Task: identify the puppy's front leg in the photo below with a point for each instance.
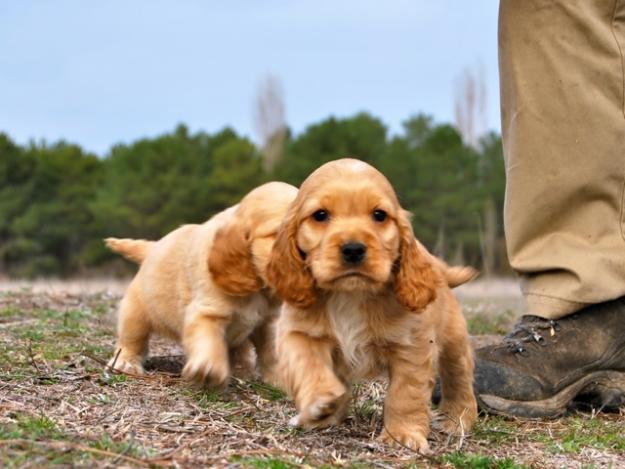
(307, 372)
(204, 341)
(407, 404)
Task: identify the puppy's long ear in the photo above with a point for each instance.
(416, 281)
(230, 260)
(287, 273)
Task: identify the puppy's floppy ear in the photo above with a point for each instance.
(230, 260)
(287, 273)
(415, 281)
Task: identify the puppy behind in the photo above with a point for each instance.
(363, 297)
(203, 286)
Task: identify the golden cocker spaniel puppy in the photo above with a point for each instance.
(362, 296)
(203, 286)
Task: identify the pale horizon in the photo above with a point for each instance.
(102, 74)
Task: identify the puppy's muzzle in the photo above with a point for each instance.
(353, 252)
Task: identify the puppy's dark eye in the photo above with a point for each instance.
(379, 215)
(320, 215)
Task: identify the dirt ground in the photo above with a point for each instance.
(60, 407)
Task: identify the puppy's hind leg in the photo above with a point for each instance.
(264, 341)
(458, 406)
(133, 334)
(242, 361)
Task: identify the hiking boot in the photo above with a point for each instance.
(543, 365)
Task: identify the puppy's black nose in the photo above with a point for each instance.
(353, 253)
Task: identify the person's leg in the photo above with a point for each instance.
(561, 70)
(563, 124)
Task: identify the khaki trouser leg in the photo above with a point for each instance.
(563, 124)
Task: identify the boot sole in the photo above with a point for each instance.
(604, 388)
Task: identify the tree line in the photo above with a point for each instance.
(58, 201)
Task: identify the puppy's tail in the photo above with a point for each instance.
(457, 275)
(454, 275)
(134, 250)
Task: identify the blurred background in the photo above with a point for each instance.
(129, 119)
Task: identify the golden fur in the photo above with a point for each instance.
(394, 312)
(203, 286)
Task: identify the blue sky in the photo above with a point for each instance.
(100, 73)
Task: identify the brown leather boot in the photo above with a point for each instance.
(542, 366)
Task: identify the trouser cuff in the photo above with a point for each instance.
(550, 308)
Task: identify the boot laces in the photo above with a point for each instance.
(531, 330)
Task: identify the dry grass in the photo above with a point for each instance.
(60, 407)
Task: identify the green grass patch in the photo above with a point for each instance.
(495, 430)
(264, 463)
(53, 336)
(15, 376)
(111, 379)
(39, 427)
(33, 333)
(23, 454)
(267, 391)
(98, 349)
(126, 448)
(366, 409)
(482, 323)
(476, 461)
(581, 433)
(9, 312)
(40, 430)
(207, 397)
(31, 427)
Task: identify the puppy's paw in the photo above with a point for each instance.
(454, 422)
(324, 410)
(127, 364)
(271, 377)
(414, 440)
(445, 424)
(207, 372)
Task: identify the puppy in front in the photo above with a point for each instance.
(362, 297)
(204, 286)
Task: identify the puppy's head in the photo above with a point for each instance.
(346, 231)
(240, 251)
